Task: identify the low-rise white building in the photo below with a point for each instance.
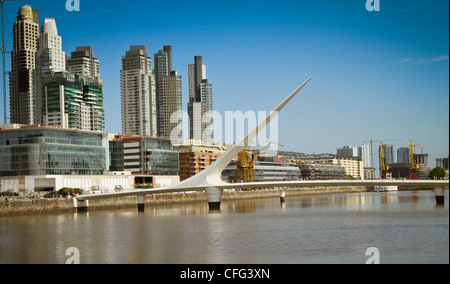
(122, 181)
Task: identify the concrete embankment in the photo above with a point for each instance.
(62, 205)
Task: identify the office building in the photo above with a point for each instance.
(143, 155)
(139, 105)
(364, 154)
(388, 151)
(34, 150)
(49, 58)
(403, 155)
(25, 37)
(200, 105)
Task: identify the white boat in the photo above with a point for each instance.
(386, 188)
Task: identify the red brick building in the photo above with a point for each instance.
(195, 157)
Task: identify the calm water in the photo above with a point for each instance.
(405, 226)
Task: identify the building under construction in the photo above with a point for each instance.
(322, 171)
(403, 170)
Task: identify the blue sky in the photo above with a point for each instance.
(377, 75)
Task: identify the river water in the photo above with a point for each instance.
(403, 226)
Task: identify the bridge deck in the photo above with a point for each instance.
(426, 184)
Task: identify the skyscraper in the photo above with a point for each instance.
(169, 96)
(25, 35)
(72, 101)
(163, 67)
(74, 98)
(403, 155)
(364, 154)
(139, 105)
(84, 63)
(171, 106)
(200, 102)
(49, 58)
(388, 150)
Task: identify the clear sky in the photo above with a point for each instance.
(377, 75)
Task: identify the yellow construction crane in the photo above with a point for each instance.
(245, 170)
(384, 168)
(413, 166)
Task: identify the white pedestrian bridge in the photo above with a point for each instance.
(210, 180)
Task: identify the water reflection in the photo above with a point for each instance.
(405, 226)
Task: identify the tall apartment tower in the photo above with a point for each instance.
(84, 63)
(139, 105)
(74, 98)
(49, 58)
(169, 96)
(200, 102)
(171, 106)
(25, 36)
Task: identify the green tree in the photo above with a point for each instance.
(65, 190)
(437, 173)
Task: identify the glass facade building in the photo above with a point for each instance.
(143, 155)
(52, 151)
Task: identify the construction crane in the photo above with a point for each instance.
(421, 147)
(413, 166)
(4, 61)
(384, 168)
(245, 169)
(371, 147)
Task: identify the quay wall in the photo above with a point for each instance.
(62, 205)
